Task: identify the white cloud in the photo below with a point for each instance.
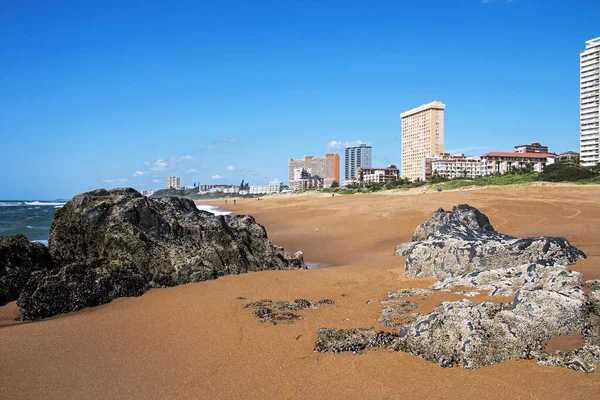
(120, 180)
(217, 177)
(190, 171)
(334, 144)
(139, 173)
(160, 165)
(165, 165)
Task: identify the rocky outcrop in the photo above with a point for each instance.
(19, 258)
(463, 251)
(468, 216)
(463, 241)
(114, 243)
(475, 335)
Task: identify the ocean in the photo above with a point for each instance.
(30, 218)
(33, 218)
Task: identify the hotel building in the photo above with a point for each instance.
(357, 157)
(377, 175)
(502, 162)
(450, 167)
(325, 168)
(589, 117)
(173, 182)
(422, 136)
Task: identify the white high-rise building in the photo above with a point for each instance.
(173, 182)
(589, 116)
(422, 136)
(357, 157)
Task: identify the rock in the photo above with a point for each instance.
(506, 281)
(78, 286)
(584, 359)
(409, 292)
(471, 217)
(158, 242)
(276, 311)
(19, 258)
(462, 249)
(463, 241)
(390, 311)
(355, 340)
(475, 335)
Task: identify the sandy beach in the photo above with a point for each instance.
(196, 341)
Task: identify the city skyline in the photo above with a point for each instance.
(88, 107)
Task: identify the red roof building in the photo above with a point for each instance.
(502, 162)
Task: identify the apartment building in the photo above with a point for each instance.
(173, 182)
(204, 188)
(502, 162)
(377, 175)
(531, 148)
(274, 186)
(357, 157)
(231, 189)
(450, 167)
(325, 168)
(589, 117)
(422, 136)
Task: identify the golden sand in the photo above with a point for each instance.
(197, 341)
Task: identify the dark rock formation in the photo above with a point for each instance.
(114, 243)
(463, 241)
(355, 340)
(279, 311)
(78, 286)
(19, 258)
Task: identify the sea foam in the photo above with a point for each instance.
(212, 209)
(42, 203)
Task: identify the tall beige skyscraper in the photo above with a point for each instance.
(589, 116)
(422, 136)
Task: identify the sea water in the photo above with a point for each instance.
(30, 218)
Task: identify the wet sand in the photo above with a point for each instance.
(197, 341)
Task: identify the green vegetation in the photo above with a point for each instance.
(559, 172)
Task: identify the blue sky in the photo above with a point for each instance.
(122, 93)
